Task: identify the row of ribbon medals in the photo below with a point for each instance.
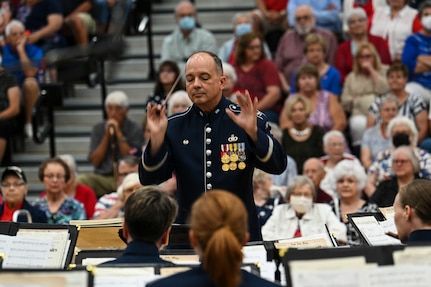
(233, 156)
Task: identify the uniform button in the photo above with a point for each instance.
(209, 163)
(209, 186)
(209, 174)
(208, 152)
(208, 141)
(208, 130)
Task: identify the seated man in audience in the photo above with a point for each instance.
(315, 170)
(334, 146)
(187, 38)
(290, 51)
(23, 60)
(148, 215)
(112, 138)
(109, 205)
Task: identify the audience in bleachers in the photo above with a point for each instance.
(325, 109)
(290, 51)
(9, 108)
(271, 15)
(110, 205)
(417, 56)
(301, 216)
(361, 87)
(348, 180)
(257, 74)
(315, 50)
(23, 60)
(326, 13)
(187, 38)
(59, 207)
(356, 21)
(395, 23)
(376, 139)
(242, 24)
(315, 170)
(410, 104)
(303, 139)
(367, 6)
(82, 193)
(111, 139)
(401, 131)
(405, 169)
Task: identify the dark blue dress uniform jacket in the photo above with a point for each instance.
(195, 143)
(199, 277)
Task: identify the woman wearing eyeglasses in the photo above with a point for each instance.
(14, 189)
(57, 205)
(362, 85)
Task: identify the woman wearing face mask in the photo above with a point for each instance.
(417, 55)
(300, 216)
(348, 181)
(242, 24)
(401, 131)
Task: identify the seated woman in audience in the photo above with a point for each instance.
(358, 34)
(366, 8)
(406, 169)
(166, 77)
(44, 19)
(264, 201)
(218, 230)
(375, 138)
(315, 51)
(301, 216)
(57, 205)
(411, 105)
(395, 23)
(231, 78)
(417, 56)
(178, 102)
(257, 74)
(325, 108)
(303, 140)
(412, 212)
(348, 180)
(14, 188)
(362, 86)
(401, 131)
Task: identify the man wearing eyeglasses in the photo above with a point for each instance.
(14, 189)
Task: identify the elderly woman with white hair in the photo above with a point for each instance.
(348, 181)
(356, 24)
(402, 132)
(178, 102)
(301, 216)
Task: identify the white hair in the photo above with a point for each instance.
(332, 133)
(349, 168)
(177, 97)
(402, 120)
(355, 11)
(229, 71)
(129, 181)
(118, 98)
(70, 161)
(12, 24)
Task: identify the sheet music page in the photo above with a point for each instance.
(398, 276)
(59, 243)
(167, 271)
(413, 255)
(27, 280)
(181, 259)
(257, 254)
(321, 240)
(124, 277)
(372, 231)
(96, 261)
(388, 212)
(24, 252)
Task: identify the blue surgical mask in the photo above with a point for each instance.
(187, 23)
(242, 29)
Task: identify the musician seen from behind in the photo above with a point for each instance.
(111, 139)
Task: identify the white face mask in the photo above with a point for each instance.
(426, 22)
(301, 204)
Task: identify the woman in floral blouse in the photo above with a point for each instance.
(58, 206)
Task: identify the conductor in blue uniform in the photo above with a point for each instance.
(215, 144)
